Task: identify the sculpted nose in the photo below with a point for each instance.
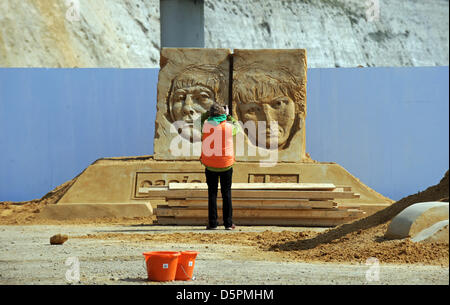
(187, 110)
(267, 112)
(187, 107)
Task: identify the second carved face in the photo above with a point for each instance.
(264, 114)
(267, 103)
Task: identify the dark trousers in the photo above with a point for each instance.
(212, 179)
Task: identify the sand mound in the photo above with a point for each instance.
(358, 246)
(25, 212)
(436, 192)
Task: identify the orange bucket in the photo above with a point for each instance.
(186, 264)
(161, 265)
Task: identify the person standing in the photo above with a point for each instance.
(218, 129)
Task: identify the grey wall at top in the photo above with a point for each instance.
(182, 23)
(387, 126)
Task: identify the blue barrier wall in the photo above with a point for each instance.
(387, 126)
(55, 122)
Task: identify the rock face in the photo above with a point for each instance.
(336, 33)
(126, 33)
(101, 33)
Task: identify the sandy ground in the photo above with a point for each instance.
(109, 251)
(113, 255)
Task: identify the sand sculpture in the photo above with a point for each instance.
(190, 80)
(269, 86)
(261, 87)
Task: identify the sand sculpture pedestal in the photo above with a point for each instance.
(266, 91)
(119, 186)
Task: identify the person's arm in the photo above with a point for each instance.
(235, 123)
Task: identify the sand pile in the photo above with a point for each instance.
(438, 192)
(26, 212)
(358, 246)
(354, 248)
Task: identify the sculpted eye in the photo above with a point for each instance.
(254, 108)
(204, 95)
(181, 97)
(279, 103)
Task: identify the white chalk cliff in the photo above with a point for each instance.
(126, 33)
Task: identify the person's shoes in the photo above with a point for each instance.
(208, 227)
(230, 228)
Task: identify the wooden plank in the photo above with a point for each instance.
(304, 222)
(262, 204)
(293, 194)
(345, 188)
(348, 206)
(251, 186)
(240, 207)
(259, 213)
(285, 194)
(248, 199)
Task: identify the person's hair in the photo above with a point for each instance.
(216, 110)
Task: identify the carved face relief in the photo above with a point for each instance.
(265, 96)
(193, 92)
(280, 110)
(187, 105)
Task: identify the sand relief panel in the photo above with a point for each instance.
(269, 99)
(190, 81)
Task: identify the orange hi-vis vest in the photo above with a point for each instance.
(217, 145)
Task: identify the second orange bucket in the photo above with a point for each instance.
(186, 264)
(161, 265)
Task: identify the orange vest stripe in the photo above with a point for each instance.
(217, 145)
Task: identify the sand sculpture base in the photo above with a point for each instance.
(117, 187)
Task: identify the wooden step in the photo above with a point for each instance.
(260, 213)
(270, 194)
(260, 186)
(303, 222)
(254, 203)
